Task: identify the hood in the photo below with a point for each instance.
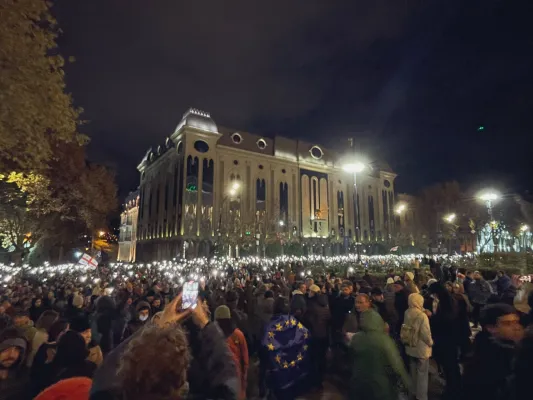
(321, 299)
(143, 304)
(416, 300)
(14, 340)
(297, 292)
(268, 305)
(372, 322)
(71, 388)
(105, 303)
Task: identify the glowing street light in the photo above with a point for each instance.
(354, 168)
(524, 228)
(450, 218)
(281, 223)
(236, 186)
(489, 196)
(400, 208)
(101, 233)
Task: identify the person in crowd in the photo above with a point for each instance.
(239, 317)
(37, 308)
(75, 309)
(489, 373)
(444, 330)
(83, 327)
(342, 306)
(129, 372)
(505, 288)
(352, 324)
(524, 359)
(46, 353)
(378, 302)
(142, 314)
(157, 305)
(284, 358)
(416, 336)
(480, 292)
(22, 321)
(43, 325)
(70, 360)
(400, 302)
(67, 389)
(464, 308)
(410, 286)
(14, 384)
(317, 319)
(377, 364)
(298, 301)
(236, 343)
(105, 321)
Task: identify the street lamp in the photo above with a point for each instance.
(232, 192)
(281, 223)
(355, 168)
(450, 218)
(400, 208)
(489, 196)
(523, 230)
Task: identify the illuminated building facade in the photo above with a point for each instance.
(208, 185)
(127, 242)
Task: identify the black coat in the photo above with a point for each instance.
(488, 374)
(318, 316)
(211, 374)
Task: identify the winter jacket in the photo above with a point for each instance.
(237, 344)
(298, 304)
(416, 319)
(480, 291)
(488, 374)
(210, 374)
(377, 363)
(318, 316)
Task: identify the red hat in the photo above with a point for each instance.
(67, 389)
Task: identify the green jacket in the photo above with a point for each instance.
(377, 365)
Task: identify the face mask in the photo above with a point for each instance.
(143, 317)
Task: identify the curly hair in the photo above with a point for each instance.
(154, 364)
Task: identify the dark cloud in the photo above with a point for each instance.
(412, 79)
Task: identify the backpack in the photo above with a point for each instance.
(409, 333)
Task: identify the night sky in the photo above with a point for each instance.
(412, 80)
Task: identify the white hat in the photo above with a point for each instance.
(390, 281)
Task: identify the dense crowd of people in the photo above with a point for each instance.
(117, 334)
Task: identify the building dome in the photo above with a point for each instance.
(198, 119)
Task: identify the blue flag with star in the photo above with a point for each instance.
(286, 344)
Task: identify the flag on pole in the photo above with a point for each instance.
(395, 248)
(88, 261)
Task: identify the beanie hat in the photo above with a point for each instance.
(314, 288)
(77, 301)
(222, 312)
(67, 389)
(410, 275)
(389, 281)
(80, 324)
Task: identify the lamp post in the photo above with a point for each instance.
(355, 168)
(232, 192)
(490, 196)
(450, 218)
(523, 231)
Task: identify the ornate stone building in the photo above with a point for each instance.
(127, 242)
(208, 185)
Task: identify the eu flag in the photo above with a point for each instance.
(286, 344)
